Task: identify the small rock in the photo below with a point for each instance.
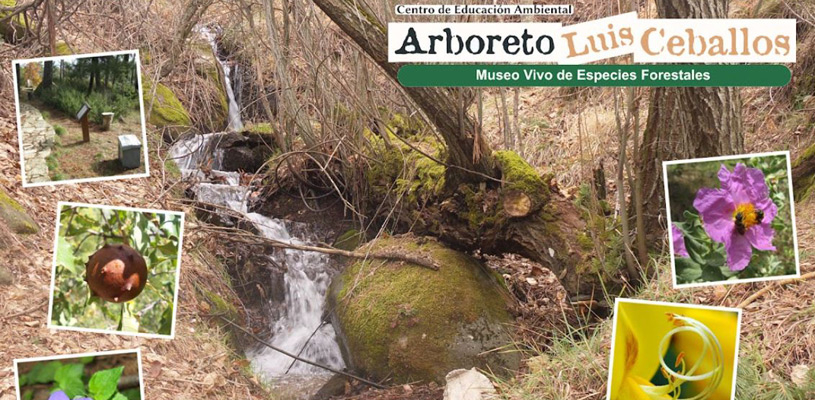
(532, 281)
(15, 216)
(799, 374)
(468, 384)
(6, 278)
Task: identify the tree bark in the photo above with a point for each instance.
(94, 74)
(686, 122)
(360, 23)
(193, 10)
(469, 215)
(803, 174)
(47, 74)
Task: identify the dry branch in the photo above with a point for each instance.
(767, 288)
(382, 255)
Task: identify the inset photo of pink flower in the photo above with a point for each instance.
(732, 219)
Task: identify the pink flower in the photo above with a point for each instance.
(738, 214)
(679, 242)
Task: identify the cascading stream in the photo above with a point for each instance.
(306, 279)
(234, 123)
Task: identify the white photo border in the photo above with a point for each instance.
(26, 183)
(665, 165)
(136, 350)
(171, 336)
(619, 300)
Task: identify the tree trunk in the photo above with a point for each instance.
(19, 77)
(360, 23)
(803, 174)
(470, 213)
(193, 9)
(686, 122)
(94, 74)
(47, 75)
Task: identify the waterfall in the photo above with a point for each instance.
(307, 276)
(234, 123)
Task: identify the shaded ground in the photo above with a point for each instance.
(75, 159)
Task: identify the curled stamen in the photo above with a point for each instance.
(681, 375)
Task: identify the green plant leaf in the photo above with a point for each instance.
(129, 322)
(69, 378)
(687, 270)
(103, 383)
(166, 321)
(65, 254)
(43, 372)
(119, 396)
(132, 394)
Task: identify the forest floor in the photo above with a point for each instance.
(198, 363)
(75, 159)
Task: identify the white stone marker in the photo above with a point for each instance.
(107, 120)
(129, 151)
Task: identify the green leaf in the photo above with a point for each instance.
(69, 379)
(43, 372)
(119, 396)
(712, 275)
(129, 322)
(86, 360)
(103, 383)
(166, 321)
(73, 388)
(687, 270)
(132, 394)
(65, 254)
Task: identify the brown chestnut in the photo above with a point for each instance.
(116, 273)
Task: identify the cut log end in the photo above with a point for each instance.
(517, 203)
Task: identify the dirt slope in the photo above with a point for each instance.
(197, 363)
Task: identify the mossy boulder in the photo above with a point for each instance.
(167, 111)
(407, 323)
(13, 215)
(13, 28)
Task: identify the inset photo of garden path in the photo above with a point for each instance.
(80, 118)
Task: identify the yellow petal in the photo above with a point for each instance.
(724, 325)
(632, 390)
(640, 327)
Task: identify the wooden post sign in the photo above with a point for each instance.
(82, 116)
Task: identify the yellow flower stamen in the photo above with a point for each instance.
(711, 348)
(746, 215)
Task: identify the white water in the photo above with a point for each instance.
(306, 279)
(234, 123)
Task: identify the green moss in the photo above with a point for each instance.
(63, 49)
(349, 240)
(220, 306)
(519, 175)
(219, 114)
(18, 20)
(167, 110)
(417, 176)
(804, 187)
(402, 320)
(15, 216)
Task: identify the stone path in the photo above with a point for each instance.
(38, 139)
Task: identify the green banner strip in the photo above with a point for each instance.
(664, 75)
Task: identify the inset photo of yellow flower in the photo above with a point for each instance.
(670, 351)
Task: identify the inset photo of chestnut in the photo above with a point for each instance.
(115, 270)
